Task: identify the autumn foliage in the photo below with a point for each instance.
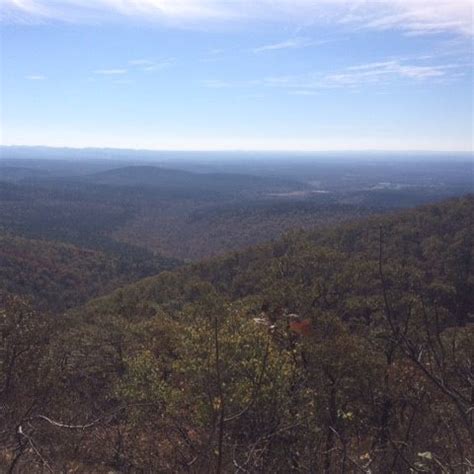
(344, 350)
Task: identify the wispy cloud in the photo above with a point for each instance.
(149, 65)
(159, 66)
(111, 72)
(381, 71)
(409, 16)
(219, 83)
(36, 77)
(141, 62)
(359, 75)
(417, 17)
(292, 43)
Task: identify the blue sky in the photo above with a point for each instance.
(238, 74)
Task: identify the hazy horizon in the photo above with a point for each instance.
(247, 160)
(242, 151)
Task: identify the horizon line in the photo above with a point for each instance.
(243, 150)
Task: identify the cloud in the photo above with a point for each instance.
(379, 73)
(382, 71)
(417, 17)
(148, 65)
(110, 72)
(412, 17)
(141, 62)
(288, 44)
(158, 66)
(110, 10)
(36, 77)
(374, 73)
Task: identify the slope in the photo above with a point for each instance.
(343, 350)
(55, 276)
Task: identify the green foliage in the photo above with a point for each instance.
(252, 365)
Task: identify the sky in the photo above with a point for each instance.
(238, 74)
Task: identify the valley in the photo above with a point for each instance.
(206, 208)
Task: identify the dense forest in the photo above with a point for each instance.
(55, 276)
(344, 349)
(199, 209)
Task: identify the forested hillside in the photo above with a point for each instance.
(55, 276)
(348, 349)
